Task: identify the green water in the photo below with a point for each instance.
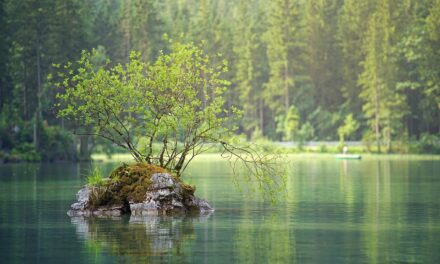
(377, 210)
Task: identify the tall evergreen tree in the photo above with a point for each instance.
(351, 31)
(283, 43)
(141, 27)
(383, 105)
(323, 52)
(249, 64)
(5, 88)
(282, 38)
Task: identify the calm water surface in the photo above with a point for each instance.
(377, 210)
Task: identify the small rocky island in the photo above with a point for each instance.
(138, 189)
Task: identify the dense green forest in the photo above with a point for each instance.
(299, 69)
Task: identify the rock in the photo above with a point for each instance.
(83, 199)
(82, 206)
(164, 196)
(199, 204)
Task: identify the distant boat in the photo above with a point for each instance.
(348, 156)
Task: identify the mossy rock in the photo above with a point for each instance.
(129, 183)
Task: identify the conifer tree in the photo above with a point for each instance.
(282, 37)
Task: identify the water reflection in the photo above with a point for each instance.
(269, 239)
(377, 210)
(138, 237)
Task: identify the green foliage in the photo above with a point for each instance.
(177, 99)
(429, 144)
(6, 139)
(368, 140)
(248, 55)
(323, 148)
(384, 106)
(304, 134)
(25, 152)
(376, 59)
(281, 35)
(349, 127)
(165, 113)
(324, 123)
(95, 178)
(291, 123)
(55, 144)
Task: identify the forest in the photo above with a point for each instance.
(299, 70)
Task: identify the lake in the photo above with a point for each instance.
(381, 209)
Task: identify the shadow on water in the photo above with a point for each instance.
(138, 238)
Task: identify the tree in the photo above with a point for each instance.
(163, 114)
(140, 27)
(249, 65)
(348, 129)
(351, 31)
(283, 47)
(5, 91)
(384, 106)
(289, 124)
(431, 71)
(323, 52)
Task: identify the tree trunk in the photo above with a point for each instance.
(376, 114)
(286, 87)
(438, 122)
(389, 136)
(39, 82)
(261, 116)
(35, 141)
(37, 116)
(84, 153)
(24, 92)
(127, 30)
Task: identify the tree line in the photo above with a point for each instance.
(299, 70)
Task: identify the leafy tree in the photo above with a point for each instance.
(376, 59)
(289, 124)
(175, 103)
(349, 127)
(306, 132)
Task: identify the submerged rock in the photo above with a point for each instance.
(164, 195)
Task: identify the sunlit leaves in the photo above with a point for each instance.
(163, 113)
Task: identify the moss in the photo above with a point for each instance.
(187, 190)
(99, 196)
(130, 182)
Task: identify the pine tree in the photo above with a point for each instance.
(351, 31)
(323, 52)
(249, 60)
(432, 70)
(283, 45)
(383, 105)
(281, 37)
(5, 88)
(147, 27)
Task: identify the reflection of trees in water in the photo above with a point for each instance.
(139, 238)
(270, 239)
